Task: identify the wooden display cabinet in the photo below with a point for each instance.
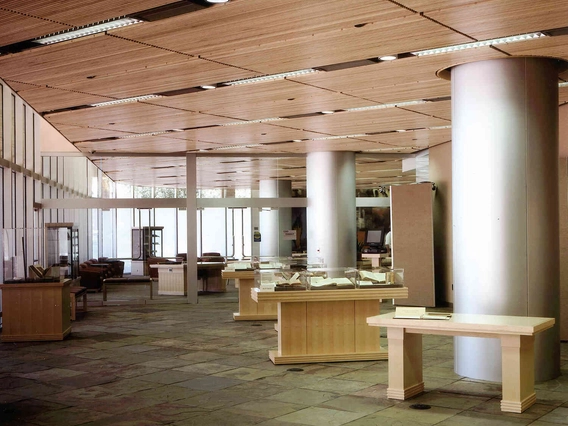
(327, 325)
(34, 311)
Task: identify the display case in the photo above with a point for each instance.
(147, 242)
(380, 277)
(331, 278)
(283, 273)
(62, 248)
(278, 279)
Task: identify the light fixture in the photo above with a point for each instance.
(388, 57)
(233, 147)
(217, 1)
(260, 120)
(491, 42)
(390, 105)
(270, 77)
(208, 86)
(87, 30)
(328, 112)
(325, 138)
(563, 84)
(126, 100)
(140, 135)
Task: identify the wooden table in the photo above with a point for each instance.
(327, 325)
(249, 309)
(33, 311)
(517, 347)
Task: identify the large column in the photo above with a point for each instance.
(505, 204)
(331, 212)
(273, 222)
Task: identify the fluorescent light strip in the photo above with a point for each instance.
(261, 120)
(390, 105)
(139, 135)
(325, 138)
(87, 30)
(233, 147)
(271, 77)
(126, 100)
(563, 84)
(491, 42)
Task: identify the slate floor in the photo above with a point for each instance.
(178, 364)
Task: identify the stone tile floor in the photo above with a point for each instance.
(178, 364)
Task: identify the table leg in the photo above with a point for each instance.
(405, 364)
(517, 357)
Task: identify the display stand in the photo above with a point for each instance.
(248, 308)
(34, 311)
(327, 325)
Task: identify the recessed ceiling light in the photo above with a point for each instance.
(388, 57)
(87, 30)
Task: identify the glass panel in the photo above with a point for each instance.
(167, 219)
(182, 231)
(213, 231)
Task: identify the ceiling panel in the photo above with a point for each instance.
(498, 18)
(263, 100)
(79, 12)
(249, 38)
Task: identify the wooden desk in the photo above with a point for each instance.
(210, 275)
(35, 311)
(376, 258)
(248, 308)
(327, 325)
(517, 346)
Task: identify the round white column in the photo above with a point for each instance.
(331, 212)
(273, 222)
(505, 204)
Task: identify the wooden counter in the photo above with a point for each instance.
(35, 311)
(327, 325)
(248, 308)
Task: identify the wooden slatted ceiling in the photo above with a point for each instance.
(251, 23)
(17, 27)
(98, 55)
(279, 98)
(412, 33)
(148, 144)
(391, 75)
(79, 12)
(497, 18)
(136, 117)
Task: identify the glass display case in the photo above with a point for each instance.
(380, 277)
(278, 279)
(331, 278)
(62, 248)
